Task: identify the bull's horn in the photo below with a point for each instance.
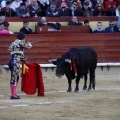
(52, 60)
(68, 60)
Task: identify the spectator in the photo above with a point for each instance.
(98, 2)
(117, 11)
(90, 3)
(54, 1)
(34, 9)
(3, 31)
(64, 10)
(76, 11)
(110, 7)
(112, 28)
(118, 25)
(27, 2)
(7, 11)
(86, 10)
(43, 22)
(44, 4)
(15, 4)
(3, 3)
(99, 10)
(65, 1)
(71, 1)
(79, 3)
(86, 23)
(25, 29)
(22, 11)
(2, 20)
(74, 21)
(52, 11)
(0, 10)
(99, 28)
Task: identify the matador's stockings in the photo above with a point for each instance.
(13, 91)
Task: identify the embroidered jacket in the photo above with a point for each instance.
(17, 47)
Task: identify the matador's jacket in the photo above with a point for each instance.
(17, 54)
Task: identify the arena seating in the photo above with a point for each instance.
(16, 22)
(52, 45)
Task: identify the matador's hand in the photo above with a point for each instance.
(24, 60)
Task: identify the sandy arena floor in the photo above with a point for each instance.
(57, 104)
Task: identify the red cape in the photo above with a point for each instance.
(32, 79)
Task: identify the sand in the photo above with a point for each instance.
(100, 104)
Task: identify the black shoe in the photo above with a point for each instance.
(17, 97)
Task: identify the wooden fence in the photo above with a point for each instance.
(53, 45)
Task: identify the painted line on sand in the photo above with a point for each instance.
(36, 103)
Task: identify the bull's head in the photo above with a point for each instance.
(62, 66)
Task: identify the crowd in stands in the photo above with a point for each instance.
(112, 28)
(74, 21)
(86, 23)
(26, 29)
(56, 8)
(51, 8)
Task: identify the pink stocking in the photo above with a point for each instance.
(13, 90)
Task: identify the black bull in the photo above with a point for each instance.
(77, 63)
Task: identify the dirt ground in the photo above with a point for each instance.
(57, 104)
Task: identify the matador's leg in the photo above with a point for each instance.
(14, 79)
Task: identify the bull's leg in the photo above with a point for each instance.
(92, 79)
(77, 83)
(85, 82)
(69, 85)
(89, 88)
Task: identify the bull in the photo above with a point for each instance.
(77, 63)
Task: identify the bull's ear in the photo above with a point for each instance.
(68, 60)
(52, 60)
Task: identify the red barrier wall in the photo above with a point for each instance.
(53, 45)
